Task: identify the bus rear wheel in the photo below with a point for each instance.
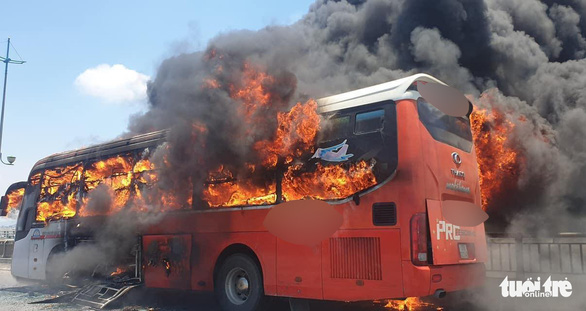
(238, 284)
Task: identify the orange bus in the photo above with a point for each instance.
(393, 242)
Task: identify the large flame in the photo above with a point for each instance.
(499, 163)
(59, 189)
(295, 134)
(14, 199)
(135, 183)
(328, 182)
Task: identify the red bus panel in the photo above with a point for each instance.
(452, 244)
(166, 261)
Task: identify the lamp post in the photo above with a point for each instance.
(6, 60)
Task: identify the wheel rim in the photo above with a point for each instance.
(237, 286)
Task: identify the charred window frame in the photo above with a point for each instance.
(270, 177)
(108, 177)
(62, 190)
(454, 131)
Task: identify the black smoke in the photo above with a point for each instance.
(528, 54)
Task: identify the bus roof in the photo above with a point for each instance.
(393, 90)
(113, 147)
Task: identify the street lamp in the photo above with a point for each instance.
(6, 60)
(10, 159)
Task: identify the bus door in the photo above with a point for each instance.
(36, 259)
(22, 240)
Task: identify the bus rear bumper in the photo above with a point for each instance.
(422, 281)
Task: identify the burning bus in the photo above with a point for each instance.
(388, 160)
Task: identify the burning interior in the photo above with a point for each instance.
(289, 166)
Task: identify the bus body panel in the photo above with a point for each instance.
(35, 249)
(454, 244)
(362, 265)
(166, 261)
(417, 280)
(214, 231)
(21, 257)
(299, 270)
(409, 174)
(36, 264)
(451, 175)
(457, 277)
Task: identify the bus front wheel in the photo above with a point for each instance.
(238, 284)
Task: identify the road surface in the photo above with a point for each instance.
(18, 295)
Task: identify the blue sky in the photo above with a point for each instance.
(47, 111)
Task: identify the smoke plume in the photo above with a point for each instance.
(524, 58)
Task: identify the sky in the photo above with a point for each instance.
(87, 64)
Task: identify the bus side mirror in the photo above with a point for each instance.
(3, 205)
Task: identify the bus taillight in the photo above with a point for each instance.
(419, 240)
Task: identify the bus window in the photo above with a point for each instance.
(454, 131)
(223, 189)
(148, 192)
(111, 177)
(368, 122)
(11, 202)
(334, 128)
(351, 161)
(59, 189)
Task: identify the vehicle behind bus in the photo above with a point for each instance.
(394, 240)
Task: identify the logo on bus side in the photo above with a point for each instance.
(450, 231)
(335, 153)
(457, 186)
(456, 158)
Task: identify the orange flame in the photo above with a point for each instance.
(411, 304)
(14, 199)
(119, 270)
(253, 92)
(59, 189)
(295, 134)
(328, 182)
(224, 190)
(499, 163)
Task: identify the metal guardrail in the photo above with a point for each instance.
(6, 243)
(7, 234)
(518, 256)
(6, 248)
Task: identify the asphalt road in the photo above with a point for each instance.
(18, 295)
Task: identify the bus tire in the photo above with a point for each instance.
(238, 284)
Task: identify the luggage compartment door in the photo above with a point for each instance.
(166, 261)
